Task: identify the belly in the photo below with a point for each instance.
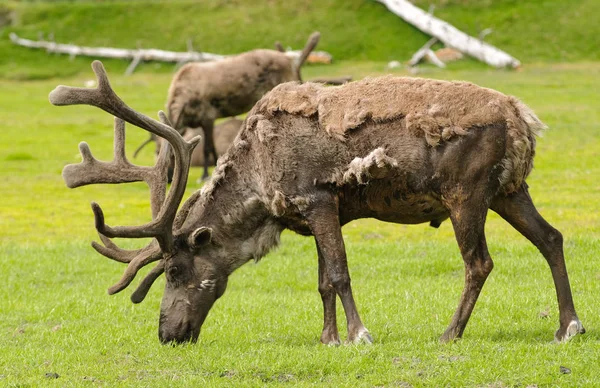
(387, 201)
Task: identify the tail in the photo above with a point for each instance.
(151, 139)
(520, 152)
(312, 42)
(534, 124)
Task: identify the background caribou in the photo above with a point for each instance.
(397, 149)
(202, 92)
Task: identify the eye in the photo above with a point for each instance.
(173, 271)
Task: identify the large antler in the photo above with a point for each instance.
(120, 170)
(312, 42)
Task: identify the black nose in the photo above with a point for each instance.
(175, 334)
(177, 337)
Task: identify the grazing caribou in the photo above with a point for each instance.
(202, 92)
(311, 158)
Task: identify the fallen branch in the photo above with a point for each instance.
(450, 35)
(430, 55)
(422, 52)
(136, 55)
(109, 52)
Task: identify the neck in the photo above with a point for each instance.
(230, 203)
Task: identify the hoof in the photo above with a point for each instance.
(363, 337)
(330, 340)
(333, 343)
(575, 327)
(449, 336)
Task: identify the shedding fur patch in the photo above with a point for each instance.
(376, 165)
(265, 130)
(278, 204)
(223, 164)
(436, 110)
(301, 202)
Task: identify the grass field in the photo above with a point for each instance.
(532, 31)
(58, 319)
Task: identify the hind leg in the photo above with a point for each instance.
(209, 146)
(518, 210)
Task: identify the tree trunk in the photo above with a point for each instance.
(137, 55)
(450, 35)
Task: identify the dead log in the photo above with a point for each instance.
(422, 52)
(450, 35)
(431, 57)
(138, 55)
(110, 52)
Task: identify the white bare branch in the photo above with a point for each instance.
(450, 35)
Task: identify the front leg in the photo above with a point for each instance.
(468, 220)
(323, 220)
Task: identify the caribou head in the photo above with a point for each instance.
(193, 280)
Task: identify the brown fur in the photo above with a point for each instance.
(448, 54)
(225, 88)
(435, 110)
(223, 133)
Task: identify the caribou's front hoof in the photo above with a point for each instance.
(330, 339)
(575, 327)
(362, 336)
(333, 342)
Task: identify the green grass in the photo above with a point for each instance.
(57, 317)
(532, 31)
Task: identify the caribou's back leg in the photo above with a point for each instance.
(519, 211)
(209, 145)
(330, 335)
(468, 219)
(323, 220)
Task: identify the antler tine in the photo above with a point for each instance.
(312, 42)
(112, 251)
(120, 170)
(105, 98)
(117, 171)
(140, 293)
(142, 259)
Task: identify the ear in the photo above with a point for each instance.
(200, 237)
